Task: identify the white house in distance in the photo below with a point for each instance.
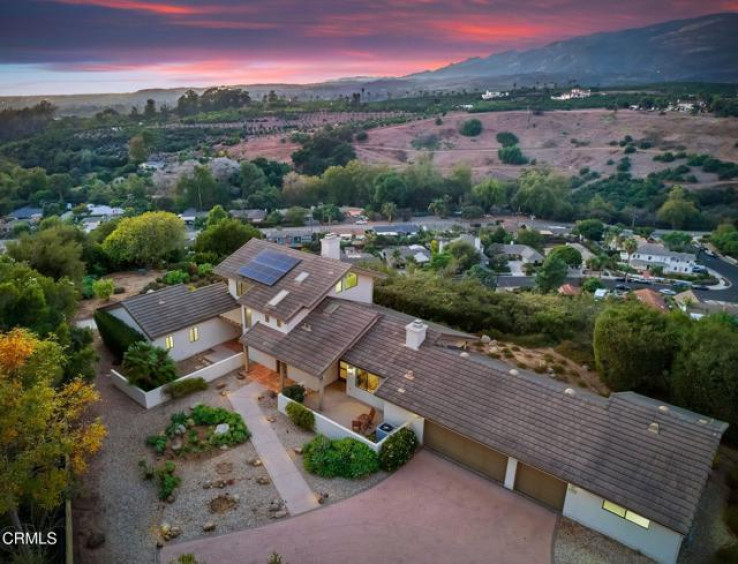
(493, 94)
(575, 93)
(648, 255)
(627, 466)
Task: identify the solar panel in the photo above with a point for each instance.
(268, 267)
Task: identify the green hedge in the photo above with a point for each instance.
(301, 416)
(237, 432)
(344, 458)
(186, 387)
(116, 335)
(397, 449)
(295, 392)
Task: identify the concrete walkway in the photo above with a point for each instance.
(429, 512)
(286, 477)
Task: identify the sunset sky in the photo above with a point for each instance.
(90, 46)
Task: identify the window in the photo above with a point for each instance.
(347, 282)
(194, 334)
(367, 381)
(345, 370)
(241, 287)
(267, 319)
(626, 514)
(169, 342)
(279, 323)
(248, 316)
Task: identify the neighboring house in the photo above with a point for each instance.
(601, 293)
(398, 257)
(696, 308)
(627, 466)
(104, 211)
(474, 241)
(26, 213)
(523, 253)
(397, 229)
(185, 322)
(492, 94)
(576, 93)
(648, 256)
(354, 255)
(568, 290)
(651, 299)
(252, 216)
(294, 239)
(190, 215)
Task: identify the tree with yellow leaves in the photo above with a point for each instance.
(46, 433)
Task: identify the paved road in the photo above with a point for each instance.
(429, 512)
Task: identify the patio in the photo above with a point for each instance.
(340, 407)
(208, 357)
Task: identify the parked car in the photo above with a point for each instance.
(667, 292)
(623, 287)
(700, 287)
(361, 222)
(699, 269)
(710, 253)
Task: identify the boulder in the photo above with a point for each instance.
(486, 339)
(176, 445)
(298, 450)
(208, 527)
(281, 514)
(222, 429)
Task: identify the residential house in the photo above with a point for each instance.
(104, 211)
(651, 299)
(294, 238)
(627, 466)
(576, 93)
(190, 215)
(183, 321)
(398, 257)
(522, 253)
(252, 216)
(397, 229)
(696, 307)
(649, 255)
(492, 94)
(26, 213)
(568, 290)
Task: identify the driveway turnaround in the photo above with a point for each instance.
(429, 512)
(286, 477)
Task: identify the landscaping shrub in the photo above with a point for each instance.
(103, 288)
(159, 442)
(206, 415)
(116, 335)
(397, 449)
(148, 367)
(301, 416)
(295, 392)
(726, 555)
(471, 128)
(344, 458)
(167, 480)
(512, 155)
(175, 277)
(186, 387)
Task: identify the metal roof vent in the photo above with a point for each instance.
(702, 421)
(514, 372)
(654, 428)
(409, 375)
(401, 390)
(162, 302)
(464, 354)
(307, 327)
(300, 278)
(571, 392)
(664, 408)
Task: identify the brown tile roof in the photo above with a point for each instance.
(323, 273)
(333, 327)
(162, 312)
(651, 299)
(602, 445)
(568, 290)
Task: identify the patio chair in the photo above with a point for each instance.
(365, 420)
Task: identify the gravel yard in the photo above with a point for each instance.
(115, 500)
(292, 436)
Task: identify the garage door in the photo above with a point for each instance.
(465, 451)
(540, 486)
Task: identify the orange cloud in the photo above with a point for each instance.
(487, 32)
(138, 6)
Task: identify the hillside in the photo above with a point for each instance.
(698, 49)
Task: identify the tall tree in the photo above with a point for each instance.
(145, 239)
(224, 237)
(200, 189)
(54, 252)
(551, 274)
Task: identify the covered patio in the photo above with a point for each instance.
(340, 407)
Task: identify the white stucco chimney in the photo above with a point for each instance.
(330, 246)
(415, 334)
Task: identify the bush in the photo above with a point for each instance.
(159, 442)
(731, 518)
(397, 449)
(186, 387)
(295, 392)
(116, 335)
(166, 480)
(512, 155)
(362, 136)
(103, 288)
(148, 367)
(507, 139)
(344, 458)
(301, 416)
(175, 277)
(205, 269)
(471, 128)
(237, 432)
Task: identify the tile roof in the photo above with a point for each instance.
(651, 298)
(162, 312)
(602, 445)
(323, 273)
(659, 250)
(333, 327)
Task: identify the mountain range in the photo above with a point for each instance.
(703, 49)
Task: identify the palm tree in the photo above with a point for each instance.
(630, 246)
(389, 210)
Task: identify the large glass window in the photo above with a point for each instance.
(169, 342)
(347, 282)
(367, 381)
(194, 334)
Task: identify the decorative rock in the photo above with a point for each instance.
(95, 540)
(322, 497)
(486, 339)
(263, 481)
(221, 385)
(176, 445)
(281, 514)
(221, 484)
(236, 498)
(221, 429)
(271, 419)
(255, 462)
(224, 393)
(180, 429)
(223, 447)
(493, 342)
(175, 532)
(298, 450)
(208, 527)
(207, 485)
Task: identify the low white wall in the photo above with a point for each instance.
(327, 427)
(307, 380)
(656, 542)
(398, 416)
(157, 396)
(362, 395)
(212, 332)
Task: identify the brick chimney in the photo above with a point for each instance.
(415, 334)
(330, 246)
